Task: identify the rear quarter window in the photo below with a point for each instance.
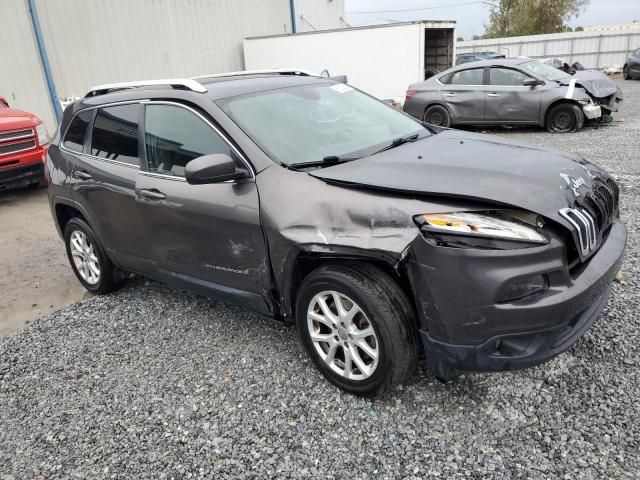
(77, 131)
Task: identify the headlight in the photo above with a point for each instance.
(43, 136)
(514, 229)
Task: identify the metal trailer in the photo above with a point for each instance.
(381, 60)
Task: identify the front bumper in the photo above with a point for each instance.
(463, 328)
(28, 171)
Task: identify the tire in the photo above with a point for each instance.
(383, 309)
(437, 115)
(564, 118)
(625, 72)
(108, 277)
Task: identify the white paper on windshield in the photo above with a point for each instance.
(341, 88)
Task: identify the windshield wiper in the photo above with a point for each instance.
(327, 161)
(396, 142)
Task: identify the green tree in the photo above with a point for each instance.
(578, 29)
(509, 18)
(460, 39)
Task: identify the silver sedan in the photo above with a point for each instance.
(512, 91)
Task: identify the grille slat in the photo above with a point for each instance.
(17, 147)
(26, 132)
(593, 215)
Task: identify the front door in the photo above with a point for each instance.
(508, 100)
(207, 234)
(464, 94)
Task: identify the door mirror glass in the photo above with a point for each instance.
(214, 168)
(532, 82)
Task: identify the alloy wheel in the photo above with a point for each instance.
(342, 335)
(84, 257)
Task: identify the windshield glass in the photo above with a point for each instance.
(307, 123)
(546, 71)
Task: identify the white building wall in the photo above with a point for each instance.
(591, 49)
(92, 42)
(319, 15)
(22, 80)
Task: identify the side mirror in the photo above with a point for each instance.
(3, 101)
(215, 168)
(532, 82)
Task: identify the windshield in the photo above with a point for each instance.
(307, 123)
(546, 71)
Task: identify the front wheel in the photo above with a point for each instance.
(88, 260)
(437, 115)
(625, 73)
(358, 327)
(564, 118)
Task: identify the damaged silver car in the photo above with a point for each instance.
(513, 91)
(385, 240)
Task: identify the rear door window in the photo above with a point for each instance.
(115, 134)
(468, 77)
(174, 136)
(77, 131)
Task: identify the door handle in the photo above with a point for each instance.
(81, 175)
(151, 193)
(493, 94)
(449, 94)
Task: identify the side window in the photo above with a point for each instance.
(74, 139)
(506, 76)
(115, 133)
(468, 77)
(174, 136)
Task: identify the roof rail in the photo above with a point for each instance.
(186, 83)
(281, 71)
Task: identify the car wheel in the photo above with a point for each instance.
(88, 259)
(437, 115)
(358, 327)
(625, 73)
(564, 118)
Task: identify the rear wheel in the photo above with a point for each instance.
(358, 327)
(564, 118)
(88, 259)
(437, 115)
(625, 73)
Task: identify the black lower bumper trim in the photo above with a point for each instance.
(21, 176)
(508, 352)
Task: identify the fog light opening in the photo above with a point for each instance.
(523, 287)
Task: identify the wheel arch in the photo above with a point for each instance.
(309, 260)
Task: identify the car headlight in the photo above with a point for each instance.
(43, 136)
(499, 229)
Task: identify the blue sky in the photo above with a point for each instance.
(472, 15)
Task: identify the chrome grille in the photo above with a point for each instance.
(27, 132)
(6, 149)
(593, 215)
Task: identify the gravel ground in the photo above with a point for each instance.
(156, 383)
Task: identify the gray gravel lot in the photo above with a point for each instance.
(156, 383)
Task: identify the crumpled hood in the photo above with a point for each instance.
(478, 167)
(594, 82)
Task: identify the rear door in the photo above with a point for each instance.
(197, 233)
(104, 176)
(464, 94)
(508, 100)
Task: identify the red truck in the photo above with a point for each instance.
(23, 148)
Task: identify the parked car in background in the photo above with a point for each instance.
(631, 67)
(309, 201)
(23, 147)
(512, 91)
(475, 56)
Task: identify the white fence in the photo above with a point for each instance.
(591, 49)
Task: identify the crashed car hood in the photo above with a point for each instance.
(472, 166)
(596, 83)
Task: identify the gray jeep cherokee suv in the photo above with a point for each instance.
(306, 200)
